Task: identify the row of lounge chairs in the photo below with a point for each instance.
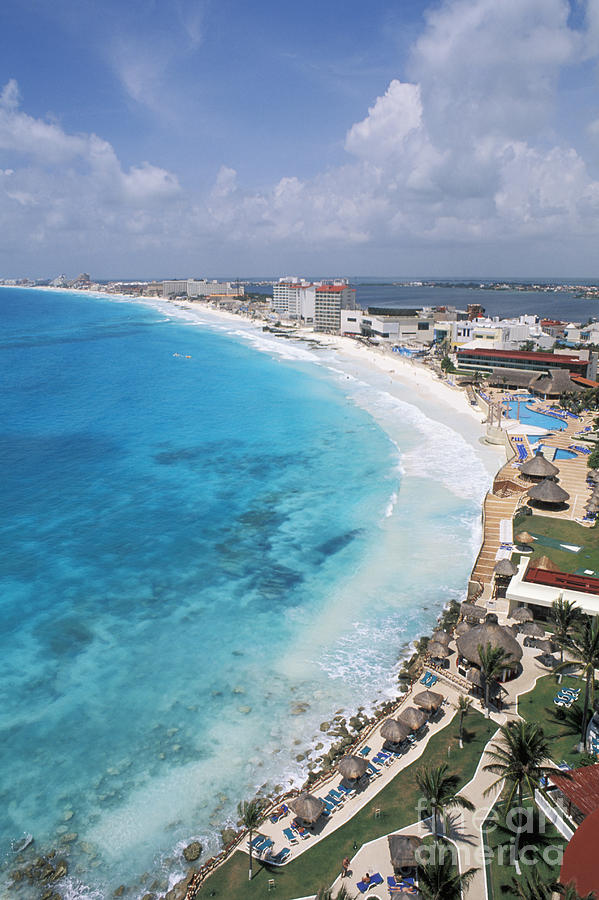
(566, 697)
(406, 885)
(429, 679)
(580, 449)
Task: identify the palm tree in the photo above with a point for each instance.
(439, 879)
(519, 759)
(327, 894)
(583, 649)
(440, 791)
(564, 615)
(493, 661)
(463, 707)
(569, 892)
(530, 887)
(250, 813)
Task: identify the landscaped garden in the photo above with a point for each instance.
(320, 865)
(565, 532)
(561, 726)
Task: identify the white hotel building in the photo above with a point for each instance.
(192, 288)
(317, 304)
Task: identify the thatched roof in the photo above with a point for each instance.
(548, 491)
(516, 377)
(428, 700)
(593, 475)
(413, 718)
(558, 382)
(523, 537)
(505, 568)
(490, 632)
(470, 611)
(543, 562)
(522, 614)
(538, 467)
(402, 849)
(437, 650)
(394, 731)
(307, 807)
(352, 766)
(441, 636)
(532, 629)
(474, 676)
(463, 627)
(544, 646)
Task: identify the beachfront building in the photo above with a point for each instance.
(294, 298)
(497, 334)
(537, 588)
(329, 301)
(577, 362)
(193, 289)
(397, 326)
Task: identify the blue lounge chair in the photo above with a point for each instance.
(290, 835)
(375, 879)
(364, 751)
(279, 858)
(433, 680)
(372, 770)
(258, 840)
(425, 679)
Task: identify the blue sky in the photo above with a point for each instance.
(213, 138)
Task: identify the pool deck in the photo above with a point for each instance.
(509, 489)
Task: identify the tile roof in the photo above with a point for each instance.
(582, 788)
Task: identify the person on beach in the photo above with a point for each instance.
(345, 867)
(366, 879)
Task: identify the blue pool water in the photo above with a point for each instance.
(529, 416)
(559, 453)
(202, 560)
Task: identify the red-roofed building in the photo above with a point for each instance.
(580, 865)
(487, 360)
(584, 382)
(329, 300)
(578, 794)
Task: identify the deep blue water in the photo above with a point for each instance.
(191, 547)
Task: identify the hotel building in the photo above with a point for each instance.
(329, 300)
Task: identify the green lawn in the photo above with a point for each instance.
(541, 848)
(566, 532)
(320, 865)
(538, 706)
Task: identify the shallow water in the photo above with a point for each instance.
(202, 560)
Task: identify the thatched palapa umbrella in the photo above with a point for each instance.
(522, 614)
(538, 467)
(428, 700)
(505, 568)
(437, 650)
(523, 537)
(394, 731)
(463, 627)
(352, 766)
(532, 629)
(441, 636)
(403, 849)
(413, 718)
(307, 807)
(548, 491)
(544, 646)
(543, 562)
(490, 632)
(472, 613)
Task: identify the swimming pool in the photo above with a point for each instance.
(530, 416)
(559, 453)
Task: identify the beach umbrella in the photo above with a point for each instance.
(505, 568)
(532, 629)
(394, 731)
(548, 491)
(543, 562)
(413, 718)
(462, 627)
(538, 467)
(403, 849)
(490, 632)
(544, 646)
(524, 538)
(428, 700)
(352, 766)
(441, 636)
(472, 612)
(307, 807)
(437, 650)
(522, 614)
(592, 505)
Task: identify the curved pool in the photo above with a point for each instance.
(530, 416)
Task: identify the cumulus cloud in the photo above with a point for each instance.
(466, 149)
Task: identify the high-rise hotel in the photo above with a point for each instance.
(317, 303)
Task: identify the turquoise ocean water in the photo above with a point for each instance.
(201, 560)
